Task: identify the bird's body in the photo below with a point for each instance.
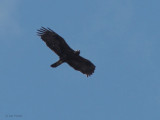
(65, 53)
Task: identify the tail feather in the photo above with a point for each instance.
(56, 64)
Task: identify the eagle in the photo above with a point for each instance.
(66, 54)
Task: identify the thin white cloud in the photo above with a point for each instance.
(8, 17)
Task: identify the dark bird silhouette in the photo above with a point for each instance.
(65, 53)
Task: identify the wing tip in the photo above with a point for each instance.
(43, 30)
(92, 71)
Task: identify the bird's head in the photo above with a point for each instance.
(77, 52)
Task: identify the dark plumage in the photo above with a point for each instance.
(65, 53)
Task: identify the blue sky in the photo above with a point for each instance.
(121, 38)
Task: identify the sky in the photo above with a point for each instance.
(121, 37)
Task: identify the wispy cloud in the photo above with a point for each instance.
(8, 17)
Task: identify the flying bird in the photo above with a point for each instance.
(66, 54)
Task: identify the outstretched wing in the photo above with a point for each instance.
(54, 41)
(81, 64)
